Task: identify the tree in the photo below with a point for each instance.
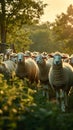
(63, 29)
(18, 12)
(20, 38)
(42, 38)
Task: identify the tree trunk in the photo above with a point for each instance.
(2, 24)
(3, 28)
(3, 33)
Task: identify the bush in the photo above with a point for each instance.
(23, 107)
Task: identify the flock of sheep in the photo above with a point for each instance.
(50, 70)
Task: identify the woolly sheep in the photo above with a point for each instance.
(27, 68)
(71, 60)
(13, 57)
(44, 67)
(8, 68)
(60, 78)
(35, 54)
(7, 54)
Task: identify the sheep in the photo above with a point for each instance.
(28, 53)
(7, 54)
(13, 57)
(44, 67)
(1, 57)
(35, 54)
(27, 68)
(71, 60)
(7, 68)
(60, 78)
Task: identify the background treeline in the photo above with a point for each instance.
(47, 36)
(42, 38)
(19, 24)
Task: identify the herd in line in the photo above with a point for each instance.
(53, 70)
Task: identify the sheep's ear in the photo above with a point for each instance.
(51, 55)
(33, 56)
(71, 57)
(64, 57)
(26, 56)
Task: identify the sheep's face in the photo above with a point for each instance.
(20, 58)
(39, 59)
(57, 59)
(9, 51)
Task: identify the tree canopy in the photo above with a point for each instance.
(63, 29)
(18, 12)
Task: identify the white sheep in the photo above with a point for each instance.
(70, 59)
(60, 78)
(13, 57)
(8, 68)
(44, 67)
(7, 54)
(27, 68)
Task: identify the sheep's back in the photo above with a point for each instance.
(32, 69)
(68, 70)
(10, 65)
(7, 68)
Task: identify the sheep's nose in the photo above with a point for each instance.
(57, 62)
(19, 60)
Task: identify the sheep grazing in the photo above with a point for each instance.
(44, 67)
(60, 78)
(27, 68)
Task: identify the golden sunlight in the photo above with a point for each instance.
(54, 8)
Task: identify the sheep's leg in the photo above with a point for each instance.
(66, 99)
(58, 97)
(62, 97)
(45, 91)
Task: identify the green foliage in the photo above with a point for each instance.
(17, 13)
(43, 39)
(63, 30)
(24, 11)
(40, 36)
(20, 38)
(23, 107)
